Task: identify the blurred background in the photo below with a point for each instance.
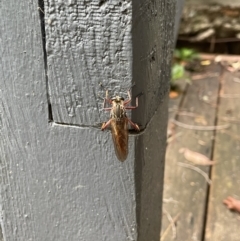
(202, 170)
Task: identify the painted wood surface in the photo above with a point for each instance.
(116, 44)
(60, 179)
(88, 43)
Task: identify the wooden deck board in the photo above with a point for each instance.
(221, 223)
(185, 190)
(173, 108)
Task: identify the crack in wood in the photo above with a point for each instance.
(132, 132)
(212, 155)
(42, 21)
(101, 2)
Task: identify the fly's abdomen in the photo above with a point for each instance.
(120, 138)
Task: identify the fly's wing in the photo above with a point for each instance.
(120, 138)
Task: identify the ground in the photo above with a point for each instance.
(205, 120)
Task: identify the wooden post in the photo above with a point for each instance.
(179, 10)
(60, 178)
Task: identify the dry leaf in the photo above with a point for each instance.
(173, 94)
(236, 65)
(232, 204)
(170, 129)
(202, 143)
(206, 62)
(196, 158)
(200, 120)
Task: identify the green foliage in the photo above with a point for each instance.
(185, 54)
(178, 71)
(182, 57)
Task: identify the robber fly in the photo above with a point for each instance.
(119, 123)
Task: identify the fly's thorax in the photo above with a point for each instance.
(118, 111)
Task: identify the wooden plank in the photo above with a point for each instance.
(221, 223)
(149, 175)
(87, 44)
(94, 42)
(174, 103)
(173, 108)
(179, 9)
(220, 57)
(60, 181)
(184, 189)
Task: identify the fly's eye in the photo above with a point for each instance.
(117, 98)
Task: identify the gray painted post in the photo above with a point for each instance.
(179, 10)
(60, 178)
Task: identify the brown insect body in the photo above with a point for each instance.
(119, 124)
(119, 128)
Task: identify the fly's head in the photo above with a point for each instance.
(118, 100)
(118, 111)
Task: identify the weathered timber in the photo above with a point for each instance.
(60, 178)
(179, 9)
(185, 189)
(221, 223)
(175, 103)
(113, 44)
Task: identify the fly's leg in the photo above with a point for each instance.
(105, 125)
(109, 108)
(135, 126)
(109, 101)
(129, 100)
(107, 98)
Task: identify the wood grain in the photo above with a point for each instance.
(61, 180)
(112, 43)
(184, 189)
(87, 43)
(221, 223)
